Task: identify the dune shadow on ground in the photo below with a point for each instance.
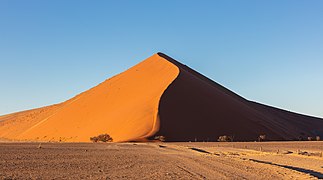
(302, 170)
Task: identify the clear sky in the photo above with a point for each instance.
(266, 51)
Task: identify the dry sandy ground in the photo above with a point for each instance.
(161, 160)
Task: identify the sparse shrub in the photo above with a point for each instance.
(160, 138)
(225, 138)
(102, 138)
(262, 137)
(318, 138)
(94, 139)
(300, 138)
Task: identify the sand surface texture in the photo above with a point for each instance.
(159, 161)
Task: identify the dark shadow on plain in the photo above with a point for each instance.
(302, 170)
(200, 150)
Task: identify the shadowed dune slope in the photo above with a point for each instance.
(195, 108)
(124, 106)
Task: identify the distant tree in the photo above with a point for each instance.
(318, 138)
(225, 138)
(262, 137)
(102, 138)
(160, 138)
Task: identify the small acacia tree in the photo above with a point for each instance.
(160, 138)
(102, 138)
(225, 138)
(262, 137)
(318, 138)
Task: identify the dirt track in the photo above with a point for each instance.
(158, 161)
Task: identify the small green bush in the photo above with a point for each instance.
(102, 138)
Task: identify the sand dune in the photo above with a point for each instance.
(159, 96)
(125, 106)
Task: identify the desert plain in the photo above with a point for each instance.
(157, 160)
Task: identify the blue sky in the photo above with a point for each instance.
(266, 51)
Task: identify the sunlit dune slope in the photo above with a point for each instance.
(125, 107)
(12, 125)
(196, 108)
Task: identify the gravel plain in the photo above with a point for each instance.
(161, 160)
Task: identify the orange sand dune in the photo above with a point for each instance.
(125, 107)
(14, 124)
(159, 96)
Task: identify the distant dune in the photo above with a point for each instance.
(159, 96)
